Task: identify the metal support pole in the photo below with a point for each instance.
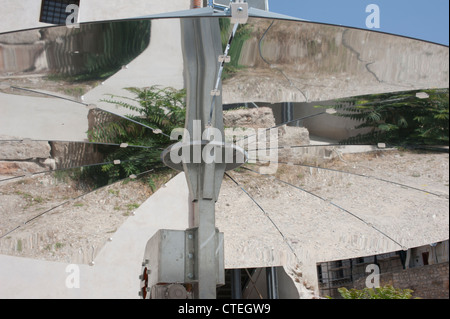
(272, 283)
(236, 284)
(204, 145)
(202, 47)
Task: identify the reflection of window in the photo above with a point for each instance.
(319, 273)
(54, 11)
(425, 257)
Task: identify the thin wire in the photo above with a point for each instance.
(265, 213)
(69, 168)
(221, 67)
(280, 125)
(302, 146)
(413, 147)
(361, 175)
(68, 201)
(49, 94)
(82, 142)
(156, 131)
(329, 202)
(270, 64)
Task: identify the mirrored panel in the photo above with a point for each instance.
(283, 61)
(80, 109)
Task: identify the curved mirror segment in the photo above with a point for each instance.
(271, 60)
(72, 98)
(284, 61)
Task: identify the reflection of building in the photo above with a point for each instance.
(19, 15)
(26, 14)
(34, 13)
(422, 269)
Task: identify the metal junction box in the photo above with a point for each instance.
(169, 258)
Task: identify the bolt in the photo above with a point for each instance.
(190, 276)
(240, 9)
(191, 256)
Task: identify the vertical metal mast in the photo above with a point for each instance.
(203, 51)
(204, 147)
(202, 46)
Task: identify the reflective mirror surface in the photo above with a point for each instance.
(57, 84)
(282, 61)
(271, 60)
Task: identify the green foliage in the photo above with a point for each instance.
(386, 292)
(162, 109)
(399, 118)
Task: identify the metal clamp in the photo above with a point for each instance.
(224, 59)
(239, 12)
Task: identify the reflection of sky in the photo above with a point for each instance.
(426, 20)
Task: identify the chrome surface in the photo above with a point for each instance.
(272, 61)
(285, 61)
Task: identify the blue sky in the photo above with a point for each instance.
(422, 19)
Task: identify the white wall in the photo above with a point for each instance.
(161, 64)
(24, 14)
(91, 10)
(118, 265)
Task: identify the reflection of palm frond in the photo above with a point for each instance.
(398, 118)
(154, 107)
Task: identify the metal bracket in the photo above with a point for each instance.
(239, 12)
(224, 58)
(191, 249)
